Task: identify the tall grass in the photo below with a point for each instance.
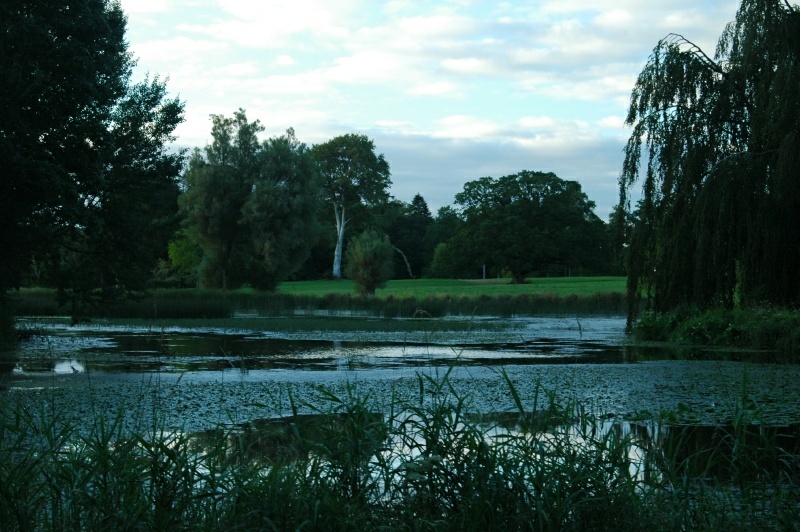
(423, 463)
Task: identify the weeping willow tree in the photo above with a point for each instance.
(716, 147)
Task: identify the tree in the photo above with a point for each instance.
(218, 181)
(369, 261)
(250, 206)
(719, 140)
(407, 233)
(443, 228)
(524, 222)
(352, 174)
(280, 213)
(88, 184)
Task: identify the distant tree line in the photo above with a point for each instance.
(95, 203)
(258, 215)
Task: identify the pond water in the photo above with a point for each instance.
(196, 378)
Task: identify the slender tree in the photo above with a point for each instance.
(352, 173)
(718, 143)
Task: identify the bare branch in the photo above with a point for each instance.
(698, 52)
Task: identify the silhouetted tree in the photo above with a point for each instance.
(718, 144)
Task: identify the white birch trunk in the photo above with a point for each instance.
(337, 254)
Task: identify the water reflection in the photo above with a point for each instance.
(68, 367)
(115, 351)
(652, 452)
(212, 372)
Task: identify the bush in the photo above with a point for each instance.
(369, 261)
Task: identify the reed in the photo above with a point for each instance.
(191, 303)
(427, 462)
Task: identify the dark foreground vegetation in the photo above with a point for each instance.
(426, 463)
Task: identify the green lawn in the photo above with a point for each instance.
(457, 287)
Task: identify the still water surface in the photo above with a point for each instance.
(197, 378)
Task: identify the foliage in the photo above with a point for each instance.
(217, 183)
(185, 255)
(369, 261)
(280, 211)
(442, 229)
(718, 143)
(89, 187)
(399, 300)
(427, 462)
(250, 206)
(407, 233)
(758, 329)
(352, 175)
(523, 223)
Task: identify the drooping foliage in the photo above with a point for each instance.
(718, 144)
(250, 206)
(88, 189)
(524, 223)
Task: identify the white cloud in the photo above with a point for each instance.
(450, 90)
(465, 127)
(284, 60)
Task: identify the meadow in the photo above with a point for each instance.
(399, 299)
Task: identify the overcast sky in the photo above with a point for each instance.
(450, 91)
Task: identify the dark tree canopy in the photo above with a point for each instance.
(407, 233)
(87, 186)
(250, 206)
(218, 181)
(522, 223)
(716, 143)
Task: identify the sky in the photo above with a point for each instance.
(449, 91)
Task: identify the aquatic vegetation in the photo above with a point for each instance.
(424, 462)
(484, 300)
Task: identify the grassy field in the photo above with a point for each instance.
(406, 299)
(421, 288)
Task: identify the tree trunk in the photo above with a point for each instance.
(337, 254)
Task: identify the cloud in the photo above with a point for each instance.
(450, 90)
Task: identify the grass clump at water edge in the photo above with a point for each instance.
(765, 329)
(427, 462)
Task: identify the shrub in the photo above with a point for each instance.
(369, 261)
